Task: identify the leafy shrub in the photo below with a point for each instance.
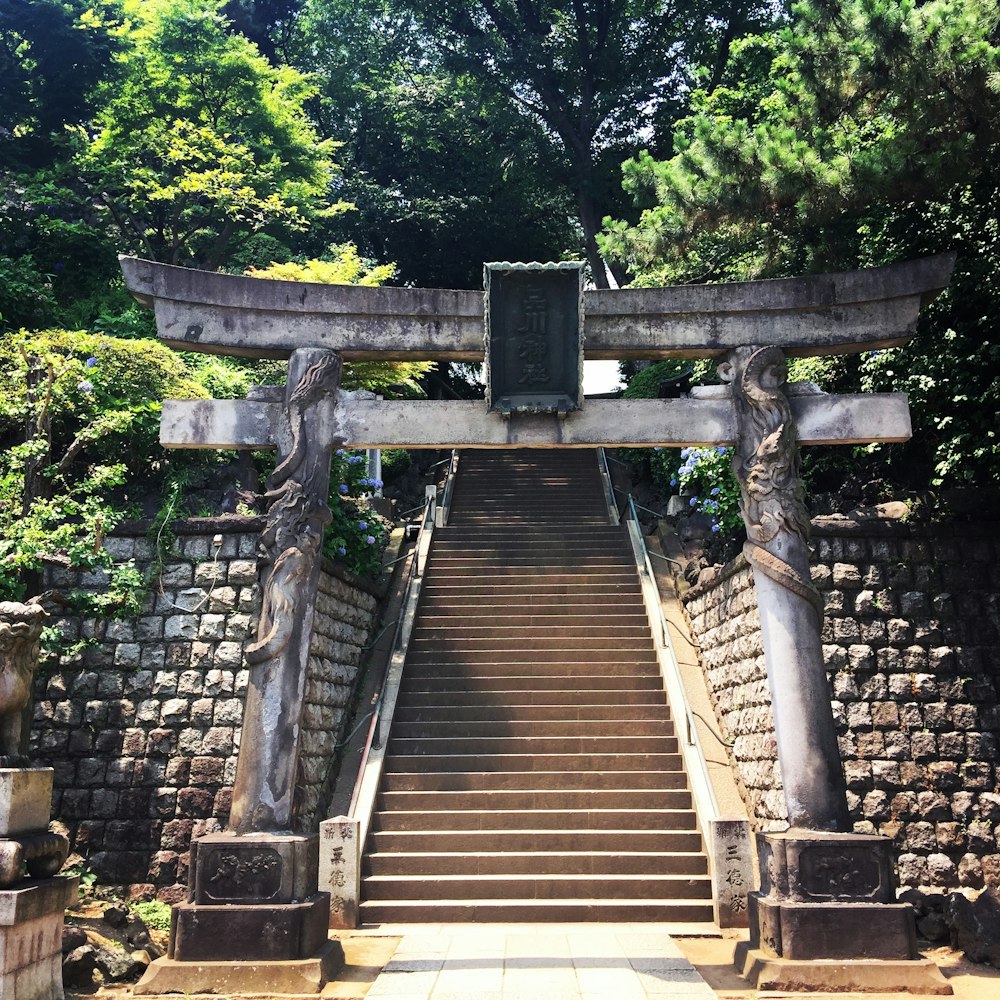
(709, 471)
(356, 535)
(78, 429)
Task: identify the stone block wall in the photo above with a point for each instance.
(912, 647)
(142, 725)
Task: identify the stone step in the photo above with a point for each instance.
(527, 689)
(501, 695)
(529, 575)
(568, 841)
(532, 745)
(514, 886)
(519, 781)
(460, 668)
(540, 595)
(540, 600)
(555, 635)
(495, 911)
(536, 819)
(622, 716)
(533, 618)
(492, 651)
(592, 863)
(534, 762)
(552, 728)
(552, 798)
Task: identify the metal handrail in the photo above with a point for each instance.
(384, 706)
(704, 793)
(609, 486)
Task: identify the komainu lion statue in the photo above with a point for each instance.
(20, 629)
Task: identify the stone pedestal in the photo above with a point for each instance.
(31, 909)
(254, 921)
(826, 919)
(31, 923)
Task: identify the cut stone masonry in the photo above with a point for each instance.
(142, 726)
(911, 643)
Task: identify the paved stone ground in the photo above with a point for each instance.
(536, 962)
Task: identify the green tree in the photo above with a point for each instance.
(444, 172)
(202, 141)
(52, 55)
(597, 75)
(871, 136)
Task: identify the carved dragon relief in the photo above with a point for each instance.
(766, 464)
(296, 516)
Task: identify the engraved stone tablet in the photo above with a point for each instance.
(732, 871)
(534, 337)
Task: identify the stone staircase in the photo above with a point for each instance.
(532, 771)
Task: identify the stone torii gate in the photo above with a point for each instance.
(540, 324)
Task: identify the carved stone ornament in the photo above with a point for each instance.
(296, 517)
(20, 629)
(766, 464)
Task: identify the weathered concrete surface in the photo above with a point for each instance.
(302, 976)
(25, 799)
(821, 419)
(31, 921)
(253, 317)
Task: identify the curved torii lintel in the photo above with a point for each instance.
(807, 316)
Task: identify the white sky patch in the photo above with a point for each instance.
(600, 376)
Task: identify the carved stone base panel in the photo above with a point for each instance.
(25, 800)
(826, 918)
(297, 977)
(257, 868)
(282, 933)
(810, 866)
(920, 976)
(31, 922)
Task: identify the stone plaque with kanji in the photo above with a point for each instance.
(534, 324)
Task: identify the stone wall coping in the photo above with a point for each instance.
(375, 588)
(847, 525)
(224, 524)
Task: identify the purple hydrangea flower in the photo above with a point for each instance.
(370, 539)
(84, 386)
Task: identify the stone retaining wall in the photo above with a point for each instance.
(912, 646)
(142, 726)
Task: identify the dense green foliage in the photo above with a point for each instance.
(761, 140)
(596, 75)
(79, 417)
(866, 132)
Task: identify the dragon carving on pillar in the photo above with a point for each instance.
(766, 464)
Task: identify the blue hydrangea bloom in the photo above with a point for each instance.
(370, 539)
(340, 451)
(715, 527)
(342, 550)
(343, 487)
(84, 386)
(694, 500)
(90, 362)
(673, 482)
(363, 525)
(377, 483)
